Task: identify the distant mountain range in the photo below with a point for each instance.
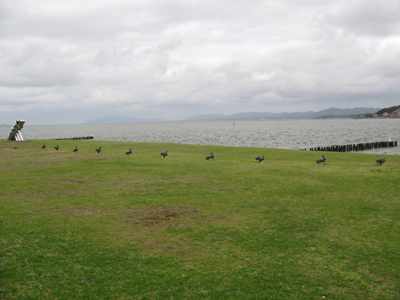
(244, 116)
(284, 115)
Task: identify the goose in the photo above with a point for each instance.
(98, 150)
(128, 152)
(321, 160)
(44, 147)
(260, 159)
(380, 161)
(164, 154)
(56, 147)
(210, 156)
(75, 150)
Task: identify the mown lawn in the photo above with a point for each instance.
(108, 226)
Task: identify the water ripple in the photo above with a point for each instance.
(284, 134)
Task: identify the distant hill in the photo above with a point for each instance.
(121, 120)
(284, 115)
(335, 112)
(388, 110)
(356, 116)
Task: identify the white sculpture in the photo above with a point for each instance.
(15, 134)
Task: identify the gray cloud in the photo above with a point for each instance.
(366, 18)
(69, 61)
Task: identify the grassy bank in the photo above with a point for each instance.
(109, 226)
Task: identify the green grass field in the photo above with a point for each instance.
(109, 226)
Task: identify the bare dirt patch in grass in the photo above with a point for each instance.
(69, 180)
(159, 229)
(162, 216)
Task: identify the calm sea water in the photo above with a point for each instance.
(285, 134)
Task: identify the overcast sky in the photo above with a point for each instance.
(66, 62)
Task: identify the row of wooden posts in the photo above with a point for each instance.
(355, 147)
(77, 138)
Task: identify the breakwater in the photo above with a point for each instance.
(355, 147)
(76, 138)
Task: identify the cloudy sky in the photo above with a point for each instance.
(66, 62)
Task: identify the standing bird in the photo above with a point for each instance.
(210, 156)
(75, 150)
(56, 147)
(98, 150)
(164, 154)
(260, 159)
(380, 161)
(128, 152)
(321, 160)
(44, 147)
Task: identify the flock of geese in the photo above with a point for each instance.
(208, 157)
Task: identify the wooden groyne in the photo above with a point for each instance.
(355, 147)
(77, 138)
